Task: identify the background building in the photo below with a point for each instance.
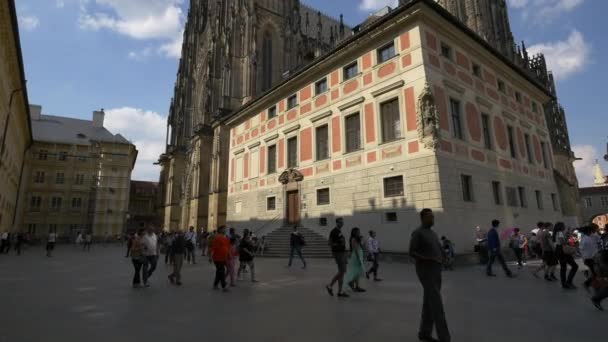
(144, 208)
(78, 178)
(594, 200)
(15, 126)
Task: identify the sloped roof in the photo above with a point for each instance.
(59, 129)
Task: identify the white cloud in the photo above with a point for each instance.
(140, 55)
(585, 167)
(173, 48)
(160, 20)
(59, 3)
(29, 22)
(145, 129)
(367, 5)
(566, 57)
(543, 11)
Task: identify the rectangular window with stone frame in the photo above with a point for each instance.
(393, 186)
(322, 142)
(523, 201)
(39, 177)
(528, 148)
(497, 192)
(390, 120)
(323, 196)
(271, 203)
(511, 196)
(272, 112)
(350, 71)
(56, 203)
(456, 119)
(292, 101)
(321, 86)
(292, 152)
(59, 178)
(272, 159)
(487, 131)
(555, 202)
(539, 199)
(386, 52)
(511, 137)
(353, 132)
(467, 188)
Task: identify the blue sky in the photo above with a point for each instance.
(121, 55)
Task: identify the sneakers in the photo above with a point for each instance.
(597, 304)
(171, 279)
(343, 295)
(330, 290)
(427, 339)
(491, 274)
(378, 279)
(358, 289)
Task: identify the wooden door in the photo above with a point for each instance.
(293, 207)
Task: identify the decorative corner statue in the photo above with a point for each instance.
(428, 119)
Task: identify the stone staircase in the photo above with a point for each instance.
(277, 243)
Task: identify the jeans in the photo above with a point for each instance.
(220, 274)
(244, 265)
(137, 264)
(483, 254)
(178, 261)
(168, 255)
(497, 255)
(519, 254)
(429, 274)
(149, 266)
(375, 265)
(591, 264)
(298, 250)
(564, 261)
(190, 247)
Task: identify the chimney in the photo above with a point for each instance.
(35, 111)
(98, 117)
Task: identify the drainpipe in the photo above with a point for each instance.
(8, 116)
(20, 181)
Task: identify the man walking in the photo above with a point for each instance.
(373, 252)
(425, 248)
(338, 250)
(219, 250)
(495, 252)
(190, 245)
(150, 252)
(296, 242)
(177, 250)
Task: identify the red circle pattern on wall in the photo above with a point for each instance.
(473, 121)
(499, 132)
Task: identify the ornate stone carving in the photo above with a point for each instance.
(291, 176)
(428, 119)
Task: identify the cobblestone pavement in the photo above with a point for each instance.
(77, 296)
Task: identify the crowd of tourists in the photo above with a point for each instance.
(554, 245)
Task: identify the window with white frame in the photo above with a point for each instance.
(390, 120)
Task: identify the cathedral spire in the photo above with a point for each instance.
(600, 178)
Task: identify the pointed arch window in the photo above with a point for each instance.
(267, 61)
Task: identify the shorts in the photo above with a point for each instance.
(340, 258)
(549, 258)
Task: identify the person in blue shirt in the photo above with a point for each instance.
(495, 251)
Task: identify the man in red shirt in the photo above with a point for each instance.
(220, 251)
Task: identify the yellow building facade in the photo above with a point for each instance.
(15, 127)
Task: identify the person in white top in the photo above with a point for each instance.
(589, 247)
(190, 245)
(373, 255)
(50, 244)
(150, 252)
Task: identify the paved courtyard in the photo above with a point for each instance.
(78, 296)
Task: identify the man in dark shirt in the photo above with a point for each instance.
(177, 250)
(296, 242)
(426, 250)
(495, 251)
(338, 250)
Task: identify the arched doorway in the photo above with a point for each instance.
(291, 179)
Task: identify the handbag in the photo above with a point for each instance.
(569, 250)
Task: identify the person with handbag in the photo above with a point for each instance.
(565, 255)
(373, 255)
